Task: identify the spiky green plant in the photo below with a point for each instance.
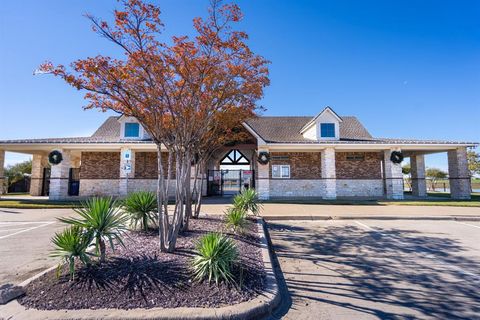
(71, 244)
(236, 219)
(214, 258)
(248, 201)
(103, 220)
(141, 207)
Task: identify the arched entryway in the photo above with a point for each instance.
(235, 174)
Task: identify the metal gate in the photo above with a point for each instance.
(46, 182)
(74, 182)
(229, 182)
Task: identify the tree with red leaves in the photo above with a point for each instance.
(184, 93)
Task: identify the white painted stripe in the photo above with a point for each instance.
(7, 230)
(430, 256)
(468, 224)
(25, 230)
(24, 222)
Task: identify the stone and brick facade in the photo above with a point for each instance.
(327, 156)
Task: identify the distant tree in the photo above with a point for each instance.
(407, 176)
(16, 172)
(473, 162)
(434, 174)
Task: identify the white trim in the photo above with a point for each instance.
(280, 167)
(260, 141)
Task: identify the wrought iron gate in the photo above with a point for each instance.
(229, 182)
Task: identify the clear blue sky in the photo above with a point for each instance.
(407, 69)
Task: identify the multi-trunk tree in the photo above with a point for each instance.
(187, 93)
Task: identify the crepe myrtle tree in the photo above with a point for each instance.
(179, 90)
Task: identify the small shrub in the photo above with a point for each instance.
(248, 201)
(102, 219)
(236, 219)
(214, 258)
(141, 207)
(71, 244)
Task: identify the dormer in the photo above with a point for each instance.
(325, 126)
(130, 128)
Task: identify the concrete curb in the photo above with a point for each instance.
(259, 307)
(373, 217)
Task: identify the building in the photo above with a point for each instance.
(326, 156)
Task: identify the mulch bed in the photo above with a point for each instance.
(139, 276)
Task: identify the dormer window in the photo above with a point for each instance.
(132, 130)
(327, 130)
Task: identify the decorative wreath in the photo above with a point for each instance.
(55, 157)
(263, 157)
(396, 157)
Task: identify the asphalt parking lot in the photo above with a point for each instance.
(379, 269)
(25, 241)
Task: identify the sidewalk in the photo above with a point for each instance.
(277, 211)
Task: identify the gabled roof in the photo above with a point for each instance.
(288, 129)
(311, 122)
(271, 129)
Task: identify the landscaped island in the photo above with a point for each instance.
(139, 276)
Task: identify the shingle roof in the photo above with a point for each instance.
(270, 129)
(287, 129)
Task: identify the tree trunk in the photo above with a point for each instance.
(102, 250)
(161, 203)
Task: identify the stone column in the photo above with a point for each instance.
(329, 173)
(59, 177)
(39, 162)
(458, 174)
(2, 173)
(263, 180)
(393, 176)
(124, 175)
(419, 184)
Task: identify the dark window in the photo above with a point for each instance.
(132, 130)
(327, 130)
(355, 156)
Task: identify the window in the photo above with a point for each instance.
(280, 171)
(355, 156)
(132, 130)
(327, 130)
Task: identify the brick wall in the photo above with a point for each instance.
(368, 168)
(303, 165)
(100, 165)
(146, 166)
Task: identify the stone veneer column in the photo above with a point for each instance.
(458, 173)
(419, 184)
(329, 173)
(59, 178)
(124, 177)
(263, 180)
(393, 176)
(2, 172)
(39, 162)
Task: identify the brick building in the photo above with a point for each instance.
(326, 156)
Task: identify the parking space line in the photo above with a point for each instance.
(468, 224)
(28, 229)
(430, 256)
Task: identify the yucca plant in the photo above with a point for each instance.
(214, 258)
(248, 201)
(236, 219)
(103, 220)
(71, 244)
(141, 207)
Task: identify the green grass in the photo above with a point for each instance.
(443, 201)
(36, 204)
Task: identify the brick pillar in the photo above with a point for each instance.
(329, 173)
(59, 177)
(124, 176)
(393, 177)
(2, 173)
(263, 180)
(419, 184)
(458, 174)
(39, 162)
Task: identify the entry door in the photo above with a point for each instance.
(46, 182)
